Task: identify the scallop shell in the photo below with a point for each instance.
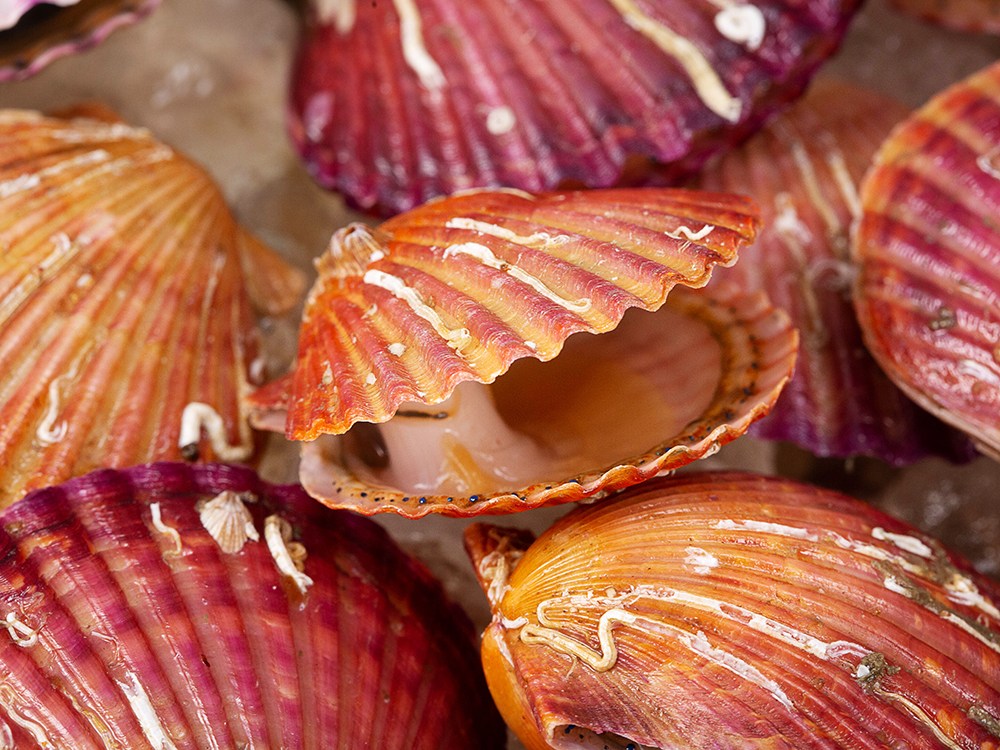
(124, 325)
(461, 288)
(129, 626)
(963, 15)
(735, 611)
(394, 103)
(804, 170)
(30, 43)
(928, 249)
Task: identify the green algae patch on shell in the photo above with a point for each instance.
(126, 327)
(130, 624)
(928, 247)
(42, 33)
(804, 170)
(737, 611)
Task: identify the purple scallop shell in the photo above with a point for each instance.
(396, 102)
(129, 626)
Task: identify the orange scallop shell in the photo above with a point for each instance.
(468, 284)
(125, 327)
(928, 244)
(734, 611)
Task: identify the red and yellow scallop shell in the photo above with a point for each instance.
(125, 321)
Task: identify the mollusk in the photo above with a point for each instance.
(804, 170)
(125, 329)
(928, 247)
(461, 288)
(29, 43)
(129, 624)
(394, 103)
(736, 611)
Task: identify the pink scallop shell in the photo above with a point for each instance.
(928, 246)
(49, 34)
(396, 102)
(129, 626)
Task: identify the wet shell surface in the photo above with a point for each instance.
(804, 170)
(963, 15)
(126, 333)
(928, 246)
(130, 624)
(57, 28)
(736, 611)
(461, 288)
(394, 103)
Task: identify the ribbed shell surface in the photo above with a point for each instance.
(50, 33)
(462, 287)
(804, 170)
(928, 246)
(735, 611)
(124, 323)
(129, 627)
(394, 103)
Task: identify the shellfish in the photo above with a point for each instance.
(737, 611)
(30, 42)
(928, 248)
(394, 103)
(964, 15)
(125, 328)
(803, 170)
(131, 624)
(459, 289)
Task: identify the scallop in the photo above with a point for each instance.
(129, 624)
(52, 29)
(928, 248)
(126, 328)
(394, 103)
(409, 321)
(804, 170)
(737, 611)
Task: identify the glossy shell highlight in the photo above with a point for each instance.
(736, 611)
(928, 248)
(804, 170)
(33, 41)
(128, 625)
(126, 332)
(394, 103)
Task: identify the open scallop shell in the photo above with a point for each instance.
(125, 328)
(734, 611)
(394, 103)
(964, 15)
(804, 170)
(461, 288)
(928, 246)
(129, 625)
(48, 33)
